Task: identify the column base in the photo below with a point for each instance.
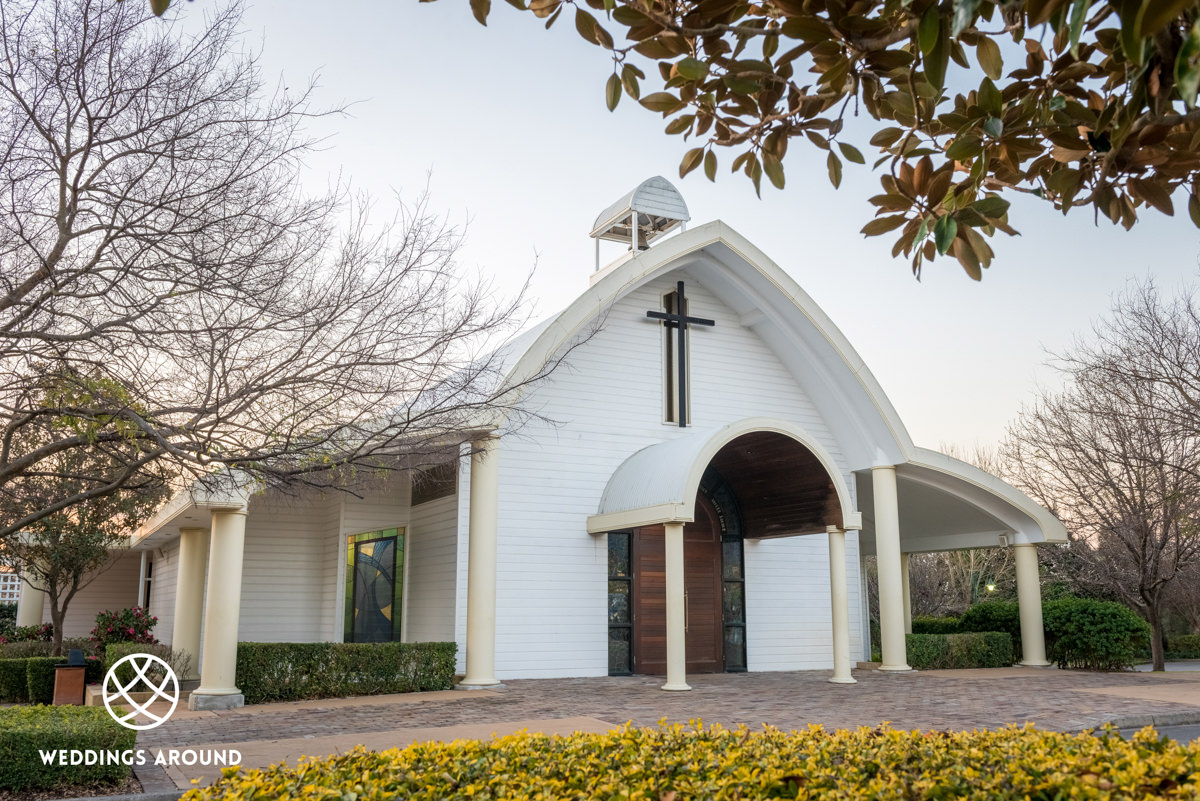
(837, 680)
(484, 684)
(675, 688)
(204, 702)
(895, 668)
(1034, 664)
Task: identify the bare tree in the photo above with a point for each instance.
(169, 293)
(1113, 457)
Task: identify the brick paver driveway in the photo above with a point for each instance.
(1052, 699)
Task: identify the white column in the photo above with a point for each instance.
(1029, 602)
(189, 595)
(676, 610)
(887, 554)
(222, 611)
(481, 566)
(840, 604)
(31, 606)
(907, 591)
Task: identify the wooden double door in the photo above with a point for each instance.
(702, 592)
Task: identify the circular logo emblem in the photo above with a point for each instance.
(153, 675)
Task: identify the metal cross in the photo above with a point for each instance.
(679, 321)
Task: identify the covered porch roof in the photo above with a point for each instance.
(946, 504)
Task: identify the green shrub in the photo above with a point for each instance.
(14, 681)
(721, 765)
(28, 648)
(179, 661)
(985, 649)
(1184, 646)
(296, 671)
(1093, 635)
(993, 616)
(26, 730)
(935, 625)
(39, 675)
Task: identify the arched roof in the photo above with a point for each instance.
(850, 401)
(649, 487)
(771, 304)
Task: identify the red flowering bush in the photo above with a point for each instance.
(123, 625)
(44, 633)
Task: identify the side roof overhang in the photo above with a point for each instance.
(191, 508)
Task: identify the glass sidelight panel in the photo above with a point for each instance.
(735, 649)
(733, 603)
(620, 613)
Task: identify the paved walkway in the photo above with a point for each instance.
(927, 700)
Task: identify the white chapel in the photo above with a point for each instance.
(711, 516)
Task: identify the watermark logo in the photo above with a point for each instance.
(149, 673)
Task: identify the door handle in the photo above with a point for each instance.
(685, 613)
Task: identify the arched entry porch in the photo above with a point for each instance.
(678, 511)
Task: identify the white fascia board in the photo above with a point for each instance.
(645, 516)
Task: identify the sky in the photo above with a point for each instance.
(508, 128)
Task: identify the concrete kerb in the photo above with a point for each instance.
(162, 795)
(1182, 718)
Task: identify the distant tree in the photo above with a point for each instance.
(1109, 456)
(1083, 103)
(61, 553)
(172, 304)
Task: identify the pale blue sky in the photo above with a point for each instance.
(511, 122)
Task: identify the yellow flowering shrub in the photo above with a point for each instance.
(676, 762)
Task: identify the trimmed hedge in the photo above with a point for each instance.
(26, 730)
(936, 625)
(959, 651)
(14, 681)
(717, 764)
(1184, 646)
(39, 675)
(993, 616)
(1093, 635)
(27, 648)
(297, 671)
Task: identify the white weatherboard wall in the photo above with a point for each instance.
(603, 405)
(165, 577)
(433, 555)
(281, 568)
(115, 588)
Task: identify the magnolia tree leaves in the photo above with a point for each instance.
(1082, 103)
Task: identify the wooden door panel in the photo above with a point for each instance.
(702, 585)
(649, 601)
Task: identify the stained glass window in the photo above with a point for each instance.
(374, 586)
